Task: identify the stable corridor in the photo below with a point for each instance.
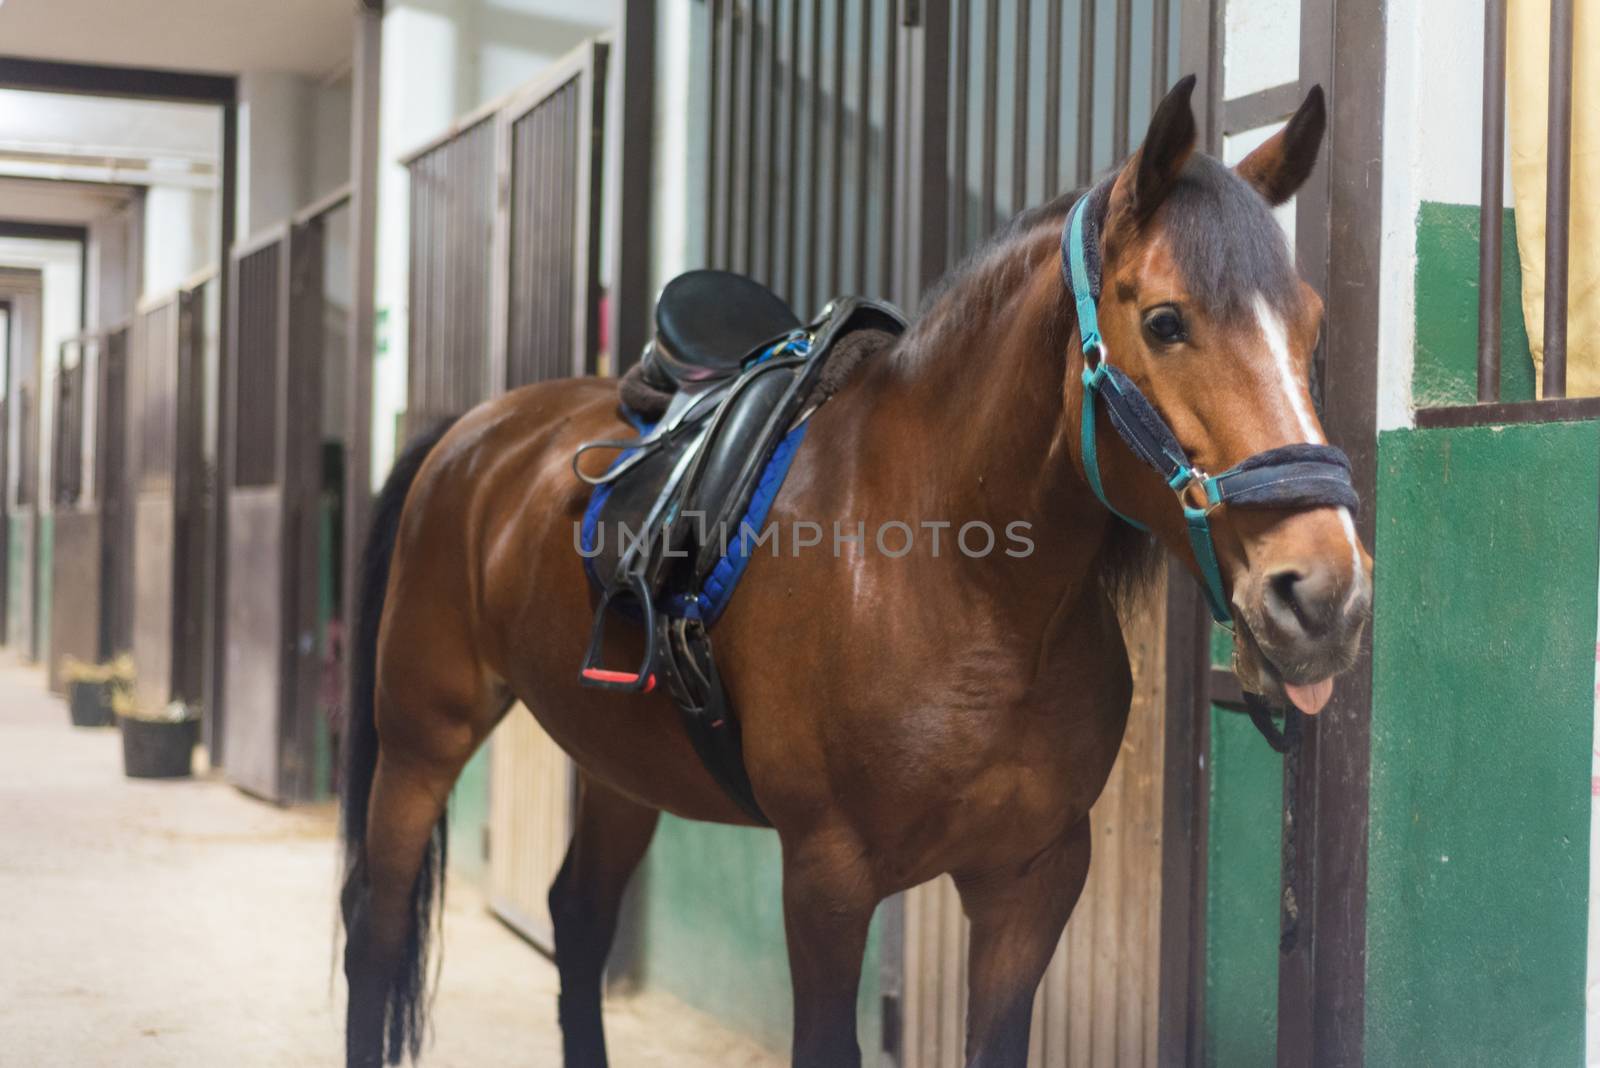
(185, 923)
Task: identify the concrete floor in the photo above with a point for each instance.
(161, 924)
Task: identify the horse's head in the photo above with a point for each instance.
(1201, 307)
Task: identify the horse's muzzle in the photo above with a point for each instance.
(1301, 622)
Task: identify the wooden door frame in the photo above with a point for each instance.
(1322, 958)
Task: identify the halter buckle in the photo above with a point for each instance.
(1192, 493)
(1095, 369)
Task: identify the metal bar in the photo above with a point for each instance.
(928, 177)
(713, 109)
(630, 301)
(591, 189)
(1245, 113)
(789, 285)
(1511, 413)
(836, 152)
(1019, 111)
(1123, 72)
(811, 239)
(988, 198)
(1180, 1017)
(1160, 50)
(889, 157)
(1052, 98)
(1085, 159)
(1492, 200)
(1558, 200)
(863, 124)
(1225, 689)
(773, 174)
(743, 146)
(958, 170)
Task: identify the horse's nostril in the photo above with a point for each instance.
(1300, 603)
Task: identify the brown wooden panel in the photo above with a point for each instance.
(253, 675)
(1099, 999)
(75, 608)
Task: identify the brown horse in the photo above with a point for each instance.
(903, 716)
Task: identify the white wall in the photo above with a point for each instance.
(441, 60)
(294, 145)
(1261, 46)
(60, 266)
(1433, 151)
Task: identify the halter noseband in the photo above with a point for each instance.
(1291, 476)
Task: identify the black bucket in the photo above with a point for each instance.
(159, 749)
(90, 704)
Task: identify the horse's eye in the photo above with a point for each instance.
(1164, 325)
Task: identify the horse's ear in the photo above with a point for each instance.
(1283, 162)
(1150, 175)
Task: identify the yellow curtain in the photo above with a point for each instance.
(1527, 87)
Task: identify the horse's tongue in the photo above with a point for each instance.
(1310, 699)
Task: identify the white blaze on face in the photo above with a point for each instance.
(1277, 339)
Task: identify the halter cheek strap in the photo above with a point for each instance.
(1288, 477)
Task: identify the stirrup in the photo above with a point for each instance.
(601, 678)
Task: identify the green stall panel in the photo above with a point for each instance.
(1243, 865)
(1445, 370)
(45, 578)
(710, 931)
(1482, 724)
(469, 817)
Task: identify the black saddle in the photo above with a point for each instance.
(663, 532)
(708, 323)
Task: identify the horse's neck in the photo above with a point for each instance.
(973, 397)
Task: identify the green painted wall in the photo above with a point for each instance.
(1484, 673)
(17, 581)
(710, 931)
(47, 583)
(1242, 869)
(1446, 363)
(469, 816)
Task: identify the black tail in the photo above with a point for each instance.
(406, 1004)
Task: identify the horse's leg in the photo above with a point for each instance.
(1017, 917)
(386, 947)
(828, 898)
(611, 835)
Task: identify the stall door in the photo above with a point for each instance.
(273, 727)
(546, 296)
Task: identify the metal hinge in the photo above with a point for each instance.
(911, 15)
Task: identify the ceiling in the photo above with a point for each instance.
(309, 37)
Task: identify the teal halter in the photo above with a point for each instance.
(1291, 476)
